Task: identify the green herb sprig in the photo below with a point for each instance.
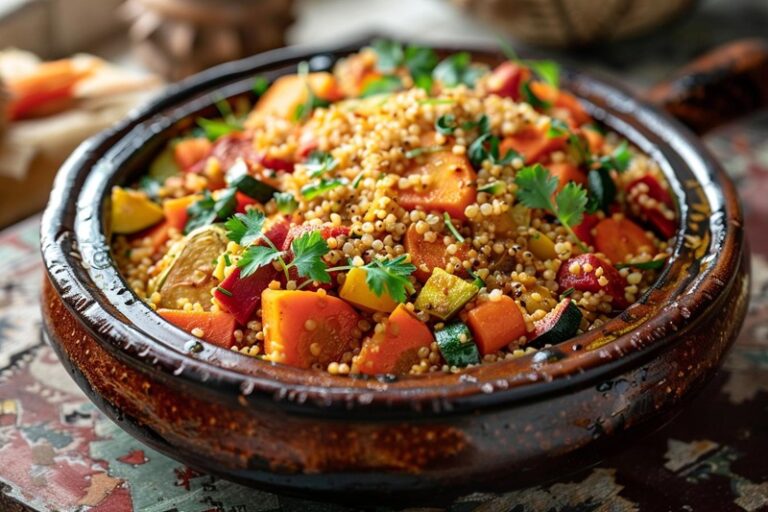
(536, 186)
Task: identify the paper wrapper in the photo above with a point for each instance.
(31, 151)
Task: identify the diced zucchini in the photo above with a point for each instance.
(457, 345)
(559, 325)
(444, 294)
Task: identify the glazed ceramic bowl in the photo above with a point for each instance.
(491, 427)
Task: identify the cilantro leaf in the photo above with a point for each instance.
(535, 189)
(391, 275)
(256, 257)
(383, 85)
(458, 69)
(207, 210)
(215, 128)
(530, 97)
(445, 124)
(571, 202)
(308, 252)
(260, 85)
(486, 147)
(547, 70)
(286, 203)
(319, 163)
(389, 54)
(619, 159)
(321, 186)
(420, 61)
(245, 229)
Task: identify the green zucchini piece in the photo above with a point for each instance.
(457, 345)
(444, 294)
(559, 325)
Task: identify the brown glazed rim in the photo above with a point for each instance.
(77, 258)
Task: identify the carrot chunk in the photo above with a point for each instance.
(425, 255)
(217, 327)
(619, 238)
(451, 188)
(495, 325)
(290, 91)
(565, 173)
(396, 349)
(175, 211)
(306, 328)
(535, 145)
(188, 152)
(563, 100)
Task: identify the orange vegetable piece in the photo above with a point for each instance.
(451, 189)
(595, 140)
(290, 91)
(188, 152)
(305, 328)
(396, 349)
(495, 325)
(561, 99)
(619, 238)
(565, 172)
(48, 90)
(532, 143)
(428, 254)
(175, 211)
(218, 327)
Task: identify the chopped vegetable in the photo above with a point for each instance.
(133, 211)
(542, 246)
(289, 95)
(533, 144)
(306, 328)
(457, 346)
(450, 189)
(444, 294)
(395, 349)
(619, 238)
(188, 152)
(566, 173)
(286, 203)
(175, 211)
(188, 274)
(602, 188)
(560, 324)
(207, 210)
(426, 256)
(584, 229)
(383, 85)
(506, 79)
(588, 273)
(356, 291)
(651, 203)
(487, 147)
(496, 324)
(214, 327)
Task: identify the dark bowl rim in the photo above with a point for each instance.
(70, 236)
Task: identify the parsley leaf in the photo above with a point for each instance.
(619, 159)
(535, 189)
(486, 147)
(601, 187)
(420, 62)
(308, 252)
(319, 162)
(256, 257)
(245, 229)
(383, 85)
(445, 124)
(547, 70)
(321, 186)
(458, 69)
(207, 210)
(286, 203)
(389, 54)
(391, 275)
(215, 128)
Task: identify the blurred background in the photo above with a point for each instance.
(125, 50)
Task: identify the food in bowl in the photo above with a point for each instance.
(400, 215)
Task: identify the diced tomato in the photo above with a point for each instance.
(425, 255)
(505, 80)
(586, 279)
(619, 238)
(584, 229)
(276, 164)
(650, 202)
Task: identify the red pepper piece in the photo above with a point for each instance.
(589, 281)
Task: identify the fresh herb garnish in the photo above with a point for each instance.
(446, 124)
(356, 182)
(619, 159)
(389, 54)
(644, 265)
(319, 163)
(419, 61)
(384, 85)
(286, 203)
(493, 188)
(458, 69)
(260, 85)
(215, 128)
(483, 124)
(224, 291)
(207, 210)
(476, 280)
(452, 228)
(558, 128)
(547, 70)
(536, 186)
(486, 147)
(308, 251)
(245, 229)
(601, 187)
(321, 186)
(390, 275)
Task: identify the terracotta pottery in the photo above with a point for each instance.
(493, 427)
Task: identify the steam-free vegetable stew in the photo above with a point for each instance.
(401, 215)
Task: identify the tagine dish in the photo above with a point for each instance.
(402, 214)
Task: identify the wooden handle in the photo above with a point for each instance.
(721, 86)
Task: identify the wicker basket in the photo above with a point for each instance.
(575, 22)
